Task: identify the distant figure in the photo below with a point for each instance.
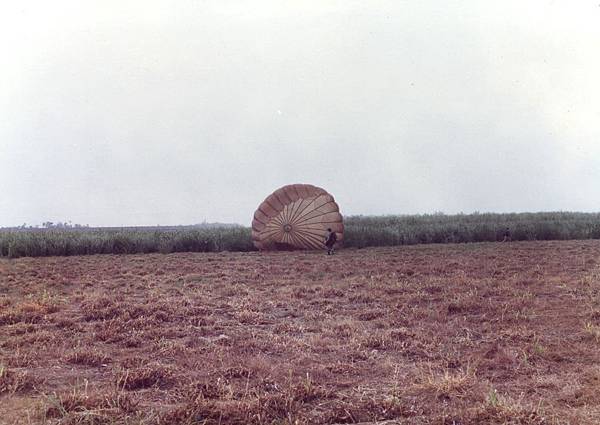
(330, 241)
(507, 237)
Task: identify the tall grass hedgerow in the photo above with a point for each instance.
(50, 242)
(440, 228)
(360, 231)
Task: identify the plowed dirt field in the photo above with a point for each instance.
(464, 334)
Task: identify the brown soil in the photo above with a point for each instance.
(447, 334)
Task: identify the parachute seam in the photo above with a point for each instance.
(302, 216)
(271, 205)
(296, 240)
(293, 218)
(322, 213)
(279, 199)
(299, 216)
(260, 221)
(284, 214)
(265, 214)
(310, 240)
(312, 233)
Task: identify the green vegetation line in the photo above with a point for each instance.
(361, 231)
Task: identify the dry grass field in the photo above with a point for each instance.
(443, 334)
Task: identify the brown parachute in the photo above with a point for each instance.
(296, 216)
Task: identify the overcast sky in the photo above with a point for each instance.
(177, 112)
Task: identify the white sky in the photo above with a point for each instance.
(176, 112)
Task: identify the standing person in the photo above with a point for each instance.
(507, 237)
(330, 241)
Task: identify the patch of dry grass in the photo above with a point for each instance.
(87, 357)
(12, 381)
(469, 334)
(151, 375)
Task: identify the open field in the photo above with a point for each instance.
(454, 333)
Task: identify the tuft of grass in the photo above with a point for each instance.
(80, 406)
(447, 383)
(306, 390)
(492, 398)
(144, 377)
(503, 409)
(12, 382)
(33, 309)
(592, 330)
(87, 357)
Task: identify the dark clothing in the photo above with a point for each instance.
(331, 240)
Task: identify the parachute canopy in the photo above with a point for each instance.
(296, 216)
